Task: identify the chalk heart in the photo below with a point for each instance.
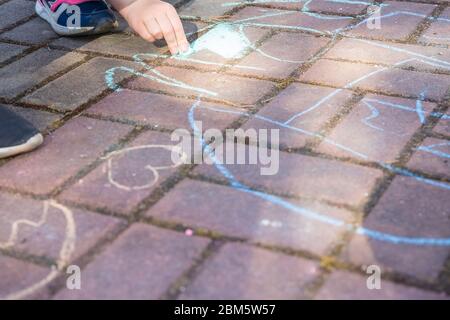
(48, 230)
(138, 168)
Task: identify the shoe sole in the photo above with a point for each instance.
(72, 31)
(30, 145)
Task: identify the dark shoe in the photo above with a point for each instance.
(16, 134)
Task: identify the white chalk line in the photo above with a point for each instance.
(65, 253)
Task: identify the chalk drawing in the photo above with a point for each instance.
(271, 223)
(65, 253)
(437, 38)
(419, 107)
(375, 114)
(438, 115)
(240, 44)
(374, 234)
(182, 157)
(433, 149)
(236, 42)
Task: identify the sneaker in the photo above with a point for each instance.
(77, 17)
(16, 134)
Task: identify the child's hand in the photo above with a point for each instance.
(154, 20)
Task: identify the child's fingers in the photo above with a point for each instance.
(145, 33)
(183, 44)
(169, 34)
(153, 28)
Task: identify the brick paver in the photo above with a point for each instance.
(128, 267)
(338, 7)
(161, 110)
(73, 89)
(241, 272)
(207, 8)
(307, 176)
(8, 51)
(432, 157)
(27, 72)
(438, 31)
(34, 31)
(246, 216)
(14, 11)
(344, 285)
(380, 79)
(398, 20)
(18, 275)
(221, 87)
(325, 6)
(109, 44)
(378, 52)
(283, 46)
(300, 106)
(443, 127)
(363, 175)
(290, 20)
(378, 127)
(400, 211)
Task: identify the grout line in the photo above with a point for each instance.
(17, 23)
(182, 282)
(425, 24)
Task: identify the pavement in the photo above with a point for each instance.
(359, 206)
